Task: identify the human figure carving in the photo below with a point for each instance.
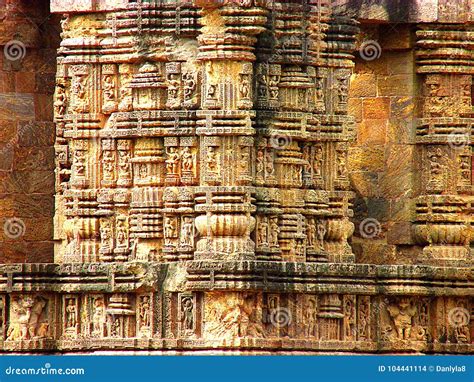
(71, 319)
(244, 159)
(124, 163)
(273, 84)
(186, 232)
(310, 317)
(108, 164)
(262, 85)
(244, 87)
(269, 166)
(343, 90)
(121, 233)
(349, 318)
(341, 163)
(363, 322)
(188, 315)
(79, 90)
(60, 101)
(263, 231)
(172, 163)
(169, 227)
(402, 316)
(143, 170)
(274, 231)
(187, 156)
(311, 232)
(211, 160)
(25, 321)
(260, 162)
(173, 87)
(105, 235)
(98, 317)
(144, 312)
(109, 88)
(320, 233)
(318, 161)
(79, 164)
(211, 92)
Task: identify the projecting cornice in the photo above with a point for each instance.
(406, 11)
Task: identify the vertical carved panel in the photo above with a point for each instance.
(443, 138)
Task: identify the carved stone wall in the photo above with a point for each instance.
(223, 137)
(210, 156)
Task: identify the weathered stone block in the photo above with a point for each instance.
(8, 130)
(355, 108)
(33, 206)
(37, 229)
(363, 85)
(376, 108)
(402, 209)
(34, 158)
(16, 106)
(390, 11)
(397, 179)
(43, 107)
(372, 131)
(7, 82)
(25, 82)
(36, 134)
(28, 182)
(400, 233)
(7, 205)
(6, 157)
(365, 184)
(398, 36)
(378, 208)
(367, 158)
(395, 85)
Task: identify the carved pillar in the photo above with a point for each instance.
(444, 142)
(225, 131)
(338, 128)
(331, 317)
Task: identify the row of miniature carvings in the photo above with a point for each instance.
(229, 314)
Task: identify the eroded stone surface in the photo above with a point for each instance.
(212, 164)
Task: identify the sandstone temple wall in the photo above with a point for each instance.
(245, 176)
(383, 99)
(412, 99)
(29, 37)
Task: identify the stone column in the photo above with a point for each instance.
(339, 132)
(443, 138)
(225, 129)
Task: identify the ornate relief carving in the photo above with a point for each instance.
(71, 316)
(188, 316)
(29, 318)
(443, 138)
(219, 134)
(79, 88)
(402, 312)
(232, 315)
(97, 316)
